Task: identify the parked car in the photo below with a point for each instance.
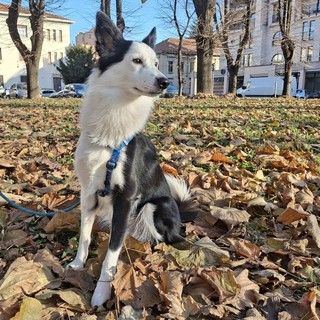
(302, 94)
(63, 94)
(45, 93)
(2, 91)
(171, 91)
(78, 88)
(18, 90)
(315, 94)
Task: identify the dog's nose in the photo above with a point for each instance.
(163, 83)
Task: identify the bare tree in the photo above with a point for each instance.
(284, 12)
(235, 15)
(205, 10)
(105, 6)
(178, 13)
(31, 56)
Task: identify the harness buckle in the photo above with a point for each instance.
(111, 165)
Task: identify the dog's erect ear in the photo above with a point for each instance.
(150, 40)
(107, 34)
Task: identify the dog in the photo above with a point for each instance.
(136, 198)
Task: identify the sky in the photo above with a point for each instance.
(140, 18)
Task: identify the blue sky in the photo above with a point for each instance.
(140, 18)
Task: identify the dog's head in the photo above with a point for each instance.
(130, 64)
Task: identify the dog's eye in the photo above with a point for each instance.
(137, 61)
(156, 64)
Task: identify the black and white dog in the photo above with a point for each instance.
(122, 183)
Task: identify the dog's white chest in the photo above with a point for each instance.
(91, 167)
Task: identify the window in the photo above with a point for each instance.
(54, 35)
(303, 54)
(277, 58)
(55, 54)
(61, 55)
(311, 29)
(309, 54)
(277, 37)
(48, 34)
(22, 31)
(308, 30)
(275, 17)
(192, 65)
(49, 57)
(170, 67)
(0, 54)
(305, 28)
(60, 35)
(247, 60)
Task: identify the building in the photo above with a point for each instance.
(263, 55)
(86, 38)
(56, 41)
(167, 53)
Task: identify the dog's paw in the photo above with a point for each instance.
(75, 264)
(101, 294)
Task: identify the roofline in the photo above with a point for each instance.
(47, 16)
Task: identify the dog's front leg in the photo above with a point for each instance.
(121, 211)
(87, 220)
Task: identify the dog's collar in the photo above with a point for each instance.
(111, 165)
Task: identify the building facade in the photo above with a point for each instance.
(56, 41)
(167, 53)
(263, 57)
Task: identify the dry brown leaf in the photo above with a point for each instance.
(230, 216)
(24, 277)
(169, 169)
(134, 289)
(63, 221)
(30, 309)
(314, 229)
(245, 248)
(290, 215)
(220, 157)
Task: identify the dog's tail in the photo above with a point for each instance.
(181, 193)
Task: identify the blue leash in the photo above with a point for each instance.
(111, 165)
(37, 213)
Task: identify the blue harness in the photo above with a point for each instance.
(111, 165)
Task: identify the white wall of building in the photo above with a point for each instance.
(12, 66)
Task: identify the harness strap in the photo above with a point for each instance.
(111, 165)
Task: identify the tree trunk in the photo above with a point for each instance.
(105, 7)
(284, 12)
(180, 71)
(233, 77)
(33, 78)
(30, 57)
(205, 10)
(287, 78)
(120, 21)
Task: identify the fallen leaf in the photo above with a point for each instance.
(31, 309)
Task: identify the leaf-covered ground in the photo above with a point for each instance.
(253, 253)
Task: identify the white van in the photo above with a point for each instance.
(265, 87)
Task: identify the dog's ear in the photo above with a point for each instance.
(107, 34)
(150, 40)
